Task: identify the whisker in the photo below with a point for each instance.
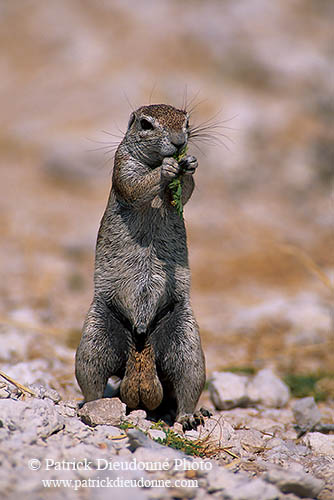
(128, 101)
(211, 126)
(106, 148)
(188, 104)
(112, 150)
(209, 139)
(197, 146)
(114, 135)
(184, 98)
(151, 93)
(206, 125)
(210, 135)
(195, 106)
(100, 142)
(211, 131)
(107, 145)
(212, 122)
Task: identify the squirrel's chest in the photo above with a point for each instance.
(150, 237)
(144, 264)
(142, 252)
(144, 281)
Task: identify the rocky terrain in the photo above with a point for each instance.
(260, 234)
(259, 442)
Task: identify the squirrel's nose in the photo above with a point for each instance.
(179, 145)
(179, 141)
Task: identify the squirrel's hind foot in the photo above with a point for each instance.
(191, 421)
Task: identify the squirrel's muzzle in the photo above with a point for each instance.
(179, 140)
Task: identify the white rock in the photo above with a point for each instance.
(137, 414)
(103, 411)
(267, 425)
(274, 443)
(217, 430)
(45, 393)
(268, 389)
(228, 390)
(29, 420)
(320, 444)
(156, 434)
(78, 430)
(222, 479)
(295, 480)
(159, 457)
(138, 418)
(306, 413)
(138, 439)
(239, 486)
(251, 440)
(252, 490)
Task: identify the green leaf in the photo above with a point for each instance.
(176, 186)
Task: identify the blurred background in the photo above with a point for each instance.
(260, 224)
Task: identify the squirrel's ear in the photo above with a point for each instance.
(131, 120)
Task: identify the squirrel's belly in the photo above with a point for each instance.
(142, 290)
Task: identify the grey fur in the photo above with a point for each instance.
(140, 325)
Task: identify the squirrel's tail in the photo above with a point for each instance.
(141, 385)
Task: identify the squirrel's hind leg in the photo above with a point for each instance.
(101, 352)
(182, 361)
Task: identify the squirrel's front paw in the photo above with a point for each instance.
(188, 164)
(170, 168)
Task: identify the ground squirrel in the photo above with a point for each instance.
(140, 326)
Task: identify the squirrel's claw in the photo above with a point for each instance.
(188, 164)
(192, 421)
(170, 168)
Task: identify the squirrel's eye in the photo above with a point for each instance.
(187, 123)
(145, 124)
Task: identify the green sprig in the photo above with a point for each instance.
(176, 185)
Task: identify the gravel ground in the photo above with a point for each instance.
(259, 443)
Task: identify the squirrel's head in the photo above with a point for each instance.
(157, 131)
